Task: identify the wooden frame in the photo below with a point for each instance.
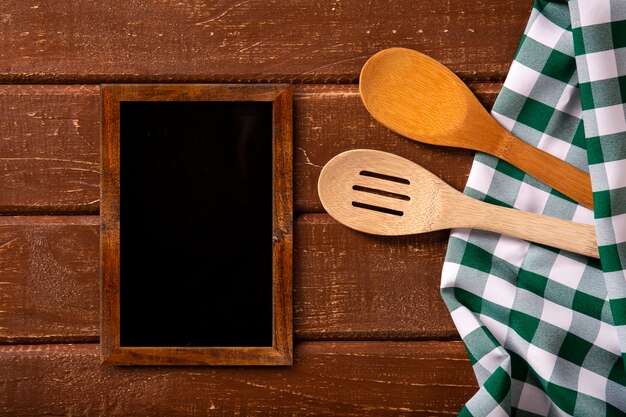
(281, 351)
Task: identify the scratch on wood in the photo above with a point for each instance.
(35, 158)
(251, 46)
(277, 389)
(75, 169)
(8, 243)
(313, 70)
(308, 160)
(307, 95)
(204, 23)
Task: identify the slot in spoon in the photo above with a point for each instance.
(385, 194)
(420, 98)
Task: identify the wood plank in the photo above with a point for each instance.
(49, 285)
(327, 379)
(350, 285)
(51, 135)
(250, 40)
(332, 119)
(49, 149)
(347, 285)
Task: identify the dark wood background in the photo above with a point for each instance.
(373, 336)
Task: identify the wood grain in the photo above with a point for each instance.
(49, 148)
(564, 177)
(327, 379)
(347, 285)
(462, 211)
(50, 160)
(250, 40)
(48, 279)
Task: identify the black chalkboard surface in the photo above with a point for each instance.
(196, 212)
(196, 223)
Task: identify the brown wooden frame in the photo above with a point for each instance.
(281, 352)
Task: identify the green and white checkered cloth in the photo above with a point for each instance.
(546, 329)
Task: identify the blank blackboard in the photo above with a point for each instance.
(196, 213)
(196, 223)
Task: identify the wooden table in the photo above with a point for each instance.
(373, 336)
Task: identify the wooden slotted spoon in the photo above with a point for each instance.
(420, 98)
(385, 194)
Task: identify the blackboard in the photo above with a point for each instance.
(196, 219)
(196, 197)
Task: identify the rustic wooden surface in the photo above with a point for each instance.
(327, 379)
(347, 286)
(50, 282)
(49, 148)
(49, 279)
(249, 40)
(50, 144)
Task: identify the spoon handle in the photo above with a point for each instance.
(550, 170)
(558, 233)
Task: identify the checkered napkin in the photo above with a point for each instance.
(546, 329)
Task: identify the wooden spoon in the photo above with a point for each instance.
(385, 194)
(421, 99)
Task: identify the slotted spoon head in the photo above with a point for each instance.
(381, 193)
